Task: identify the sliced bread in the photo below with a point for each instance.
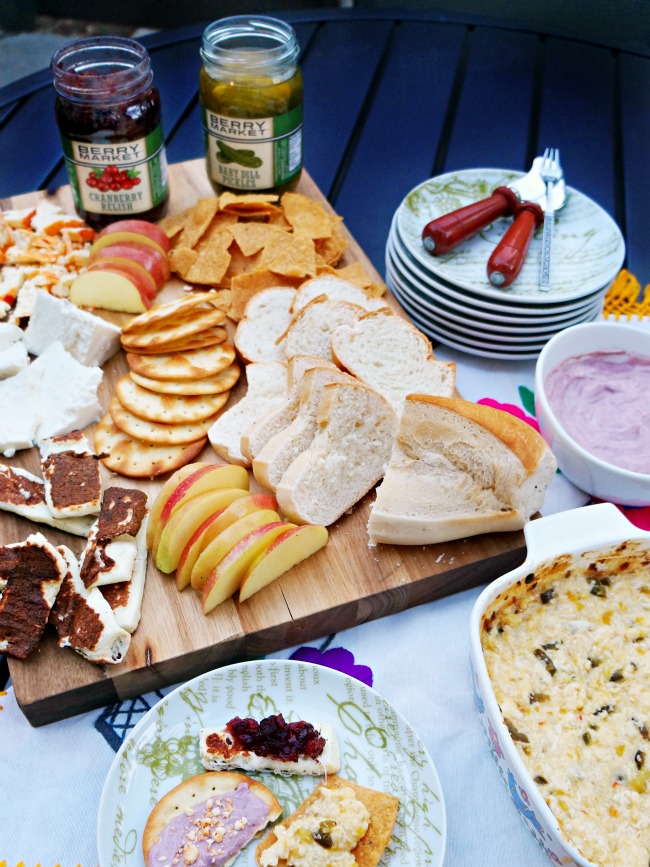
(260, 335)
(281, 449)
(348, 455)
(389, 354)
(267, 390)
(260, 431)
(335, 289)
(311, 329)
(459, 469)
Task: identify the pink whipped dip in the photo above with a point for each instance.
(602, 400)
(231, 820)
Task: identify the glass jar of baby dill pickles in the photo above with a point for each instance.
(250, 88)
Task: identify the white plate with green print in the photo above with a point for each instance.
(379, 749)
(588, 248)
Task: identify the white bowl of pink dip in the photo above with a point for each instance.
(592, 399)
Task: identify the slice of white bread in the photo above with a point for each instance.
(311, 329)
(348, 455)
(193, 799)
(256, 436)
(335, 289)
(266, 391)
(276, 455)
(459, 469)
(260, 335)
(389, 354)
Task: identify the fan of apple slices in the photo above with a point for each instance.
(219, 538)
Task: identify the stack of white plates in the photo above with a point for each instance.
(450, 298)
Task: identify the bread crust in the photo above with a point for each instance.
(521, 439)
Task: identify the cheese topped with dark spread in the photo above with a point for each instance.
(18, 489)
(210, 833)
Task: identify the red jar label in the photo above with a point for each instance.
(117, 178)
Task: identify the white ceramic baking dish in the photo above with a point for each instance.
(585, 533)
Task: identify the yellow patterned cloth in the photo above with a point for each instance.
(625, 299)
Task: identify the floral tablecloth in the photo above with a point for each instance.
(51, 778)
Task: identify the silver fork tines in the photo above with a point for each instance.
(551, 173)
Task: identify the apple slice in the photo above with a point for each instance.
(183, 523)
(136, 273)
(206, 478)
(292, 547)
(108, 290)
(225, 578)
(145, 233)
(156, 263)
(165, 492)
(214, 553)
(199, 540)
(246, 506)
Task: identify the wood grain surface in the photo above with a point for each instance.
(346, 583)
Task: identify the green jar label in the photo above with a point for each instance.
(117, 178)
(253, 153)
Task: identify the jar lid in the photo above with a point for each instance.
(99, 68)
(249, 44)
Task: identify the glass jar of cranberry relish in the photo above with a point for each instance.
(109, 117)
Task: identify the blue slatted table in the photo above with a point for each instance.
(394, 97)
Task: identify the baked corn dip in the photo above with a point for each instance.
(568, 653)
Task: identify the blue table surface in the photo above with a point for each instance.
(392, 98)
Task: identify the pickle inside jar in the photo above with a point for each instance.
(258, 97)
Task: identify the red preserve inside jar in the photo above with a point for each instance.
(108, 112)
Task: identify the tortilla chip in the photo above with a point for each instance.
(254, 236)
(309, 218)
(297, 259)
(201, 217)
(331, 249)
(219, 223)
(212, 262)
(247, 204)
(173, 224)
(244, 286)
(181, 260)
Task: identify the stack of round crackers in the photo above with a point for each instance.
(182, 369)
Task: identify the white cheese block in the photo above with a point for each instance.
(85, 336)
(13, 359)
(67, 394)
(39, 512)
(113, 642)
(127, 611)
(328, 762)
(9, 334)
(20, 416)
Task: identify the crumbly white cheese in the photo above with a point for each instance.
(85, 336)
(20, 416)
(335, 818)
(568, 654)
(9, 334)
(328, 762)
(67, 393)
(13, 359)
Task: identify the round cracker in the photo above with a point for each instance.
(167, 408)
(136, 459)
(155, 431)
(161, 313)
(209, 337)
(181, 366)
(223, 381)
(158, 335)
(196, 791)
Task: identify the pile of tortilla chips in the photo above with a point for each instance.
(250, 242)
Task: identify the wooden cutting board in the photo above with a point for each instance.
(344, 584)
